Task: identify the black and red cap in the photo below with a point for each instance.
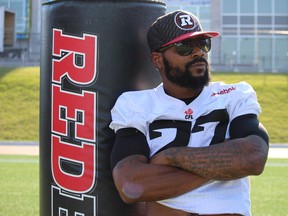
(175, 27)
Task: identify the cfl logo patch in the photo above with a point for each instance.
(188, 114)
(185, 21)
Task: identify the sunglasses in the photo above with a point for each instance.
(186, 47)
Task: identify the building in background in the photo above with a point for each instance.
(26, 48)
(254, 33)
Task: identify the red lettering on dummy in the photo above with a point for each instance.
(79, 108)
(74, 112)
(74, 57)
(81, 156)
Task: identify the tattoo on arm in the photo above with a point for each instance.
(229, 160)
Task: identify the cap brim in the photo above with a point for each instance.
(193, 35)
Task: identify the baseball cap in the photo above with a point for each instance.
(174, 27)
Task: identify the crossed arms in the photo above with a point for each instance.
(177, 170)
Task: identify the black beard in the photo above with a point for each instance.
(185, 78)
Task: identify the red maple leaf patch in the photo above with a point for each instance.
(189, 112)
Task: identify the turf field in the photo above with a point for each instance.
(19, 188)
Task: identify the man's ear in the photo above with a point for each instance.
(157, 59)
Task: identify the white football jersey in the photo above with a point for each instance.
(167, 121)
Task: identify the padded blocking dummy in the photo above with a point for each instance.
(91, 52)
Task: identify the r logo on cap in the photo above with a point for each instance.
(184, 21)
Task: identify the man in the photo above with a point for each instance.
(188, 146)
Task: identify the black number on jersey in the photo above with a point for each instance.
(183, 128)
(221, 116)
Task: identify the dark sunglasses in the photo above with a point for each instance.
(186, 47)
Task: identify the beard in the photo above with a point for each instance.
(185, 78)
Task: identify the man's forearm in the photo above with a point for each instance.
(139, 181)
(229, 160)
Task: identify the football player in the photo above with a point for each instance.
(188, 146)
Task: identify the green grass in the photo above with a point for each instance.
(19, 102)
(19, 188)
(269, 191)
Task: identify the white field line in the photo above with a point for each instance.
(33, 161)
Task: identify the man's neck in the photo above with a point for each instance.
(181, 92)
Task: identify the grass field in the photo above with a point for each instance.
(19, 188)
(269, 191)
(19, 102)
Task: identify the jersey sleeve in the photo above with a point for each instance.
(244, 101)
(246, 125)
(126, 113)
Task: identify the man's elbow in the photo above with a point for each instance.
(130, 192)
(253, 167)
(258, 168)
(256, 162)
(127, 179)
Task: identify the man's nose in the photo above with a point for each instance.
(197, 52)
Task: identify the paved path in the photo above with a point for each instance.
(32, 148)
(278, 151)
(19, 148)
